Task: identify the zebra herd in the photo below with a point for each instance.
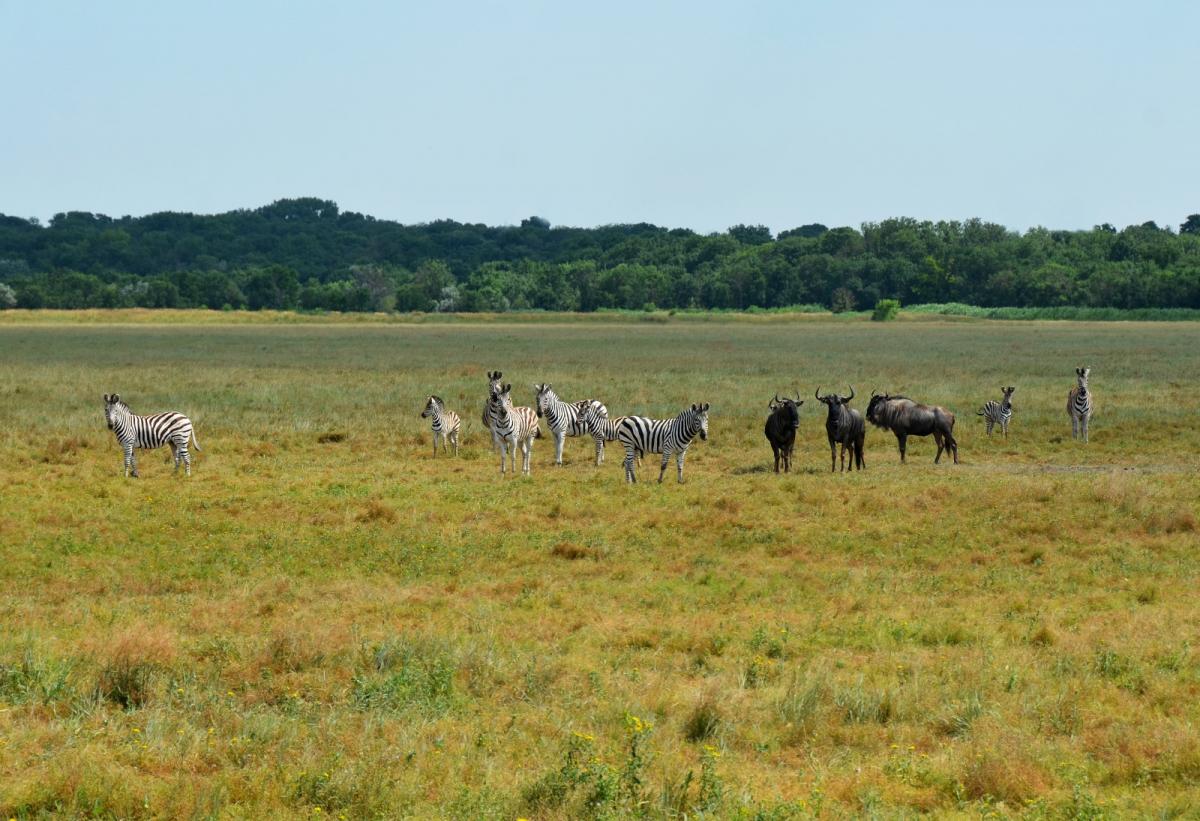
(513, 428)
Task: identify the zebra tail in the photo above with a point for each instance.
(537, 431)
(196, 441)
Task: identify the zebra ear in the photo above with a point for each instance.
(116, 397)
(507, 388)
(706, 407)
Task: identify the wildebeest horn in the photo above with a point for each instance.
(851, 396)
(776, 400)
(818, 392)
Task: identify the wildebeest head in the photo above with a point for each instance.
(430, 404)
(787, 410)
(833, 401)
(875, 408)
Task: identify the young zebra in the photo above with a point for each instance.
(564, 419)
(1079, 405)
(515, 427)
(998, 413)
(665, 436)
(149, 432)
(446, 423)
(602, 429)
(491, 409)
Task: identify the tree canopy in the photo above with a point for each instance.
(307, 253)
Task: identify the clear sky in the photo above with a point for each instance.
(688, 114)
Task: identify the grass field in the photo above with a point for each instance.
(326, 621)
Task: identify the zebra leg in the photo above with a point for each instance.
(559, 437)
(663, 470)
(1074, 427)
(187, 461)
(1083, 424)
(630, 476)
(528, 453)
(131, 462)
(454, 441)
(599, 450)
(679, 465)
(990, 422)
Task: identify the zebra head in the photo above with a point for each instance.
(494, 381)
(699, 419)
(502, 397)
(1008, 392)
(545, 395)
(432, 404)
(1082, 375)
(113, 408)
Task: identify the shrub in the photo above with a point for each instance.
(885, 310)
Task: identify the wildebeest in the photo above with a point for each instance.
(781, 428)
(905, 418)
(844, 426)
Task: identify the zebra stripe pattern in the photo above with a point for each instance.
(602, 429)
(491, 408)
(446, 423)
(665, 436)
(1079, 404)
(516, 427)
(564, 419)
(998, 413)
(149, 432)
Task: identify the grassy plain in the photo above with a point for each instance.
(326, 621)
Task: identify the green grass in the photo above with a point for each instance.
(354, 628)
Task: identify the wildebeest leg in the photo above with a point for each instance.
(787, 460)
(775, 450)
(858, 447)
(902, 440)
(937, 437)
(832, 456)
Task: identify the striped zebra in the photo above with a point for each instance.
(564, 419)
(446, 423)
(491, 409)
(515, 427)
(149, 432)
(1079, 405)
(603, 429)
(665, 436)
(998, 413)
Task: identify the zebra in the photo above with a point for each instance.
(1079, 405)
(998, 413)
(158, 429)
(665, 436)
(564, 419)
(602, 429)
(446, 423)
(515, 427)
(491, 409)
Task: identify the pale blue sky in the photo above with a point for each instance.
(684, 114)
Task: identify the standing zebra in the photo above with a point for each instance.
(491, 408)
(1079, 404)
(998, 413)
(665, 436)
(149, 432)
(515, 427)
(602, 429)
(446, 423)
(564, 419)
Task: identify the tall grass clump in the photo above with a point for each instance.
(885, 310)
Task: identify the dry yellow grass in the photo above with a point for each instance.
(328, 621)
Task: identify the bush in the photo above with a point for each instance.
(885, 310)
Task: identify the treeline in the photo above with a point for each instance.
(308, 254)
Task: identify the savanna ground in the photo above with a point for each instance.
(326, 621)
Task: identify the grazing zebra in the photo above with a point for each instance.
(1079, 405)
(602, 429)
(149, 432)
(564, 419)
(998, 413)
(491, 409)
(515, 427)
(665, 436)
(446, 423)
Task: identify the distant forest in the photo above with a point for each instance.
(307, 254)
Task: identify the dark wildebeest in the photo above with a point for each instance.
(781, 428)
(845, 427)
(905, 418)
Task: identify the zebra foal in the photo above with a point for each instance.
(665, 436)
(149, 432)
(565, 419)
(998, 413)
(446, 423)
